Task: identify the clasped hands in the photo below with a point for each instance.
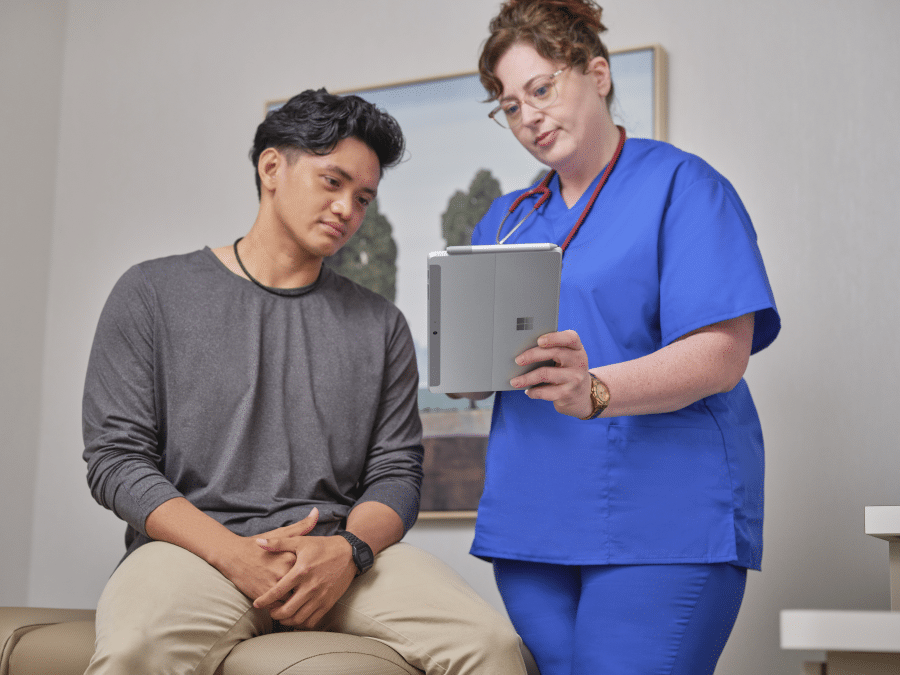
(568, 383)
(298, 579)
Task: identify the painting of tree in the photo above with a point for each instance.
(465, 209)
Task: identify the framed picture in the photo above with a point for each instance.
(457, 162)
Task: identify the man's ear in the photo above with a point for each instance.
(270, 160)
(598, 67)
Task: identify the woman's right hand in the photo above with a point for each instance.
(567, 384)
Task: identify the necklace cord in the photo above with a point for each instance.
(274, 291)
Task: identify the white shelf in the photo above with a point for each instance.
(883, 522)
(846, 631)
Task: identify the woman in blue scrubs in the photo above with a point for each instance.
(623, 500)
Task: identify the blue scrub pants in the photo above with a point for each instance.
(622, 619)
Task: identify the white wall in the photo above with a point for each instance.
(794, 102)
(31, 44)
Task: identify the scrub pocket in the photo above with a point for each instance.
(670, 497)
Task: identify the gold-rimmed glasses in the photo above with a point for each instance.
(541, 92)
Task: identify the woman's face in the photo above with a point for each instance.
(567, 131)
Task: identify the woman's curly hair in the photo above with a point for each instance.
(559, 30)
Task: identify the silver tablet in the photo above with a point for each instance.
(487, 305)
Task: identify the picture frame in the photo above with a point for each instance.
(457, 161)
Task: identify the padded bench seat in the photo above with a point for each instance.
(61, 641)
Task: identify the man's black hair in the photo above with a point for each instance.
(316, 121)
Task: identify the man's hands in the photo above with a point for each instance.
(321, 572)
(255, 571)
(296, 578)
(568, 385)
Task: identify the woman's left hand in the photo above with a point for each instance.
(568, 384)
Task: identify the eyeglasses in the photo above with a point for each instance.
(541, 93)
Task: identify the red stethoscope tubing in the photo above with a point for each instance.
(544, 189)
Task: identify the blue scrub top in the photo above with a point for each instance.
(667, 248)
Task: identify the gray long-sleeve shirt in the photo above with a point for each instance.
(254, 406)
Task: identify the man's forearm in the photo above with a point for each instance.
(179, 522)
(376, 524)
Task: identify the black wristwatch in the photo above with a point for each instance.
(362, 554)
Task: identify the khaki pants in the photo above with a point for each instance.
(165, 610)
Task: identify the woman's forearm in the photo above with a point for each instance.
(708, 361)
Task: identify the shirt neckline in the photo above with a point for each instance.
(277, 292)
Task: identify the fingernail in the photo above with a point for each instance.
(262, 542)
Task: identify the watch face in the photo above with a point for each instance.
(599, 397)
(364, 559)
(362, 554)
(602, 393)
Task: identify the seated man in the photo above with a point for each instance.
(252, 416)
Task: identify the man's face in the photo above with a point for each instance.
(319, 201)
